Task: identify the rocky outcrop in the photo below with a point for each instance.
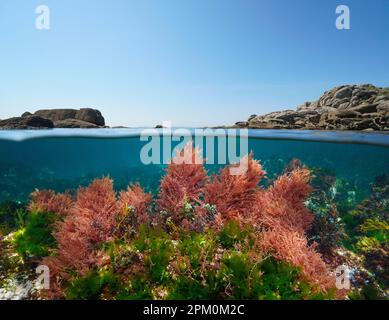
(86, 114)
(56, 118)
(349, 107)
(91, 115)
(57, 114)
(74, 123)
(26, 122)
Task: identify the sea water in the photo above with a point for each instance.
(64, 159)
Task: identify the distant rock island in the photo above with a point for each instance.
(348, 107)
(56, 118)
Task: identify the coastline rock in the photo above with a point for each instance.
(26, 122)
(74, 123)
(342, 93)
(56, 118)
(241, 124)
(383, 106)
(26, 114)
(92, 116)
(347, 107)
(57, 114)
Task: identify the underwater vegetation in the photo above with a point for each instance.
(368, 235)
(203, 236)
(353, 232)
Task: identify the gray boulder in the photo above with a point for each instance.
(383, 106)
(26, 122)
(342, 93)
(90, 115)
(85, 114)
(365, 108)
(342, 114)
(241, 124)
(57, 114)
(74, 123)
(26, 114)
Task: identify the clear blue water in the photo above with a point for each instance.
(64, 159)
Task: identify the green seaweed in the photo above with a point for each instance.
(12, 216)
(35, 238)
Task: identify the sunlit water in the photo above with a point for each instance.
(62, 159)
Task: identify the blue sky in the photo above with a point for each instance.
(193, 62)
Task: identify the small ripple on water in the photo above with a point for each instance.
(358, 137)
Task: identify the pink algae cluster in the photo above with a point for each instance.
(97, 214)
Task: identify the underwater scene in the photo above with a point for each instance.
(82, 216)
